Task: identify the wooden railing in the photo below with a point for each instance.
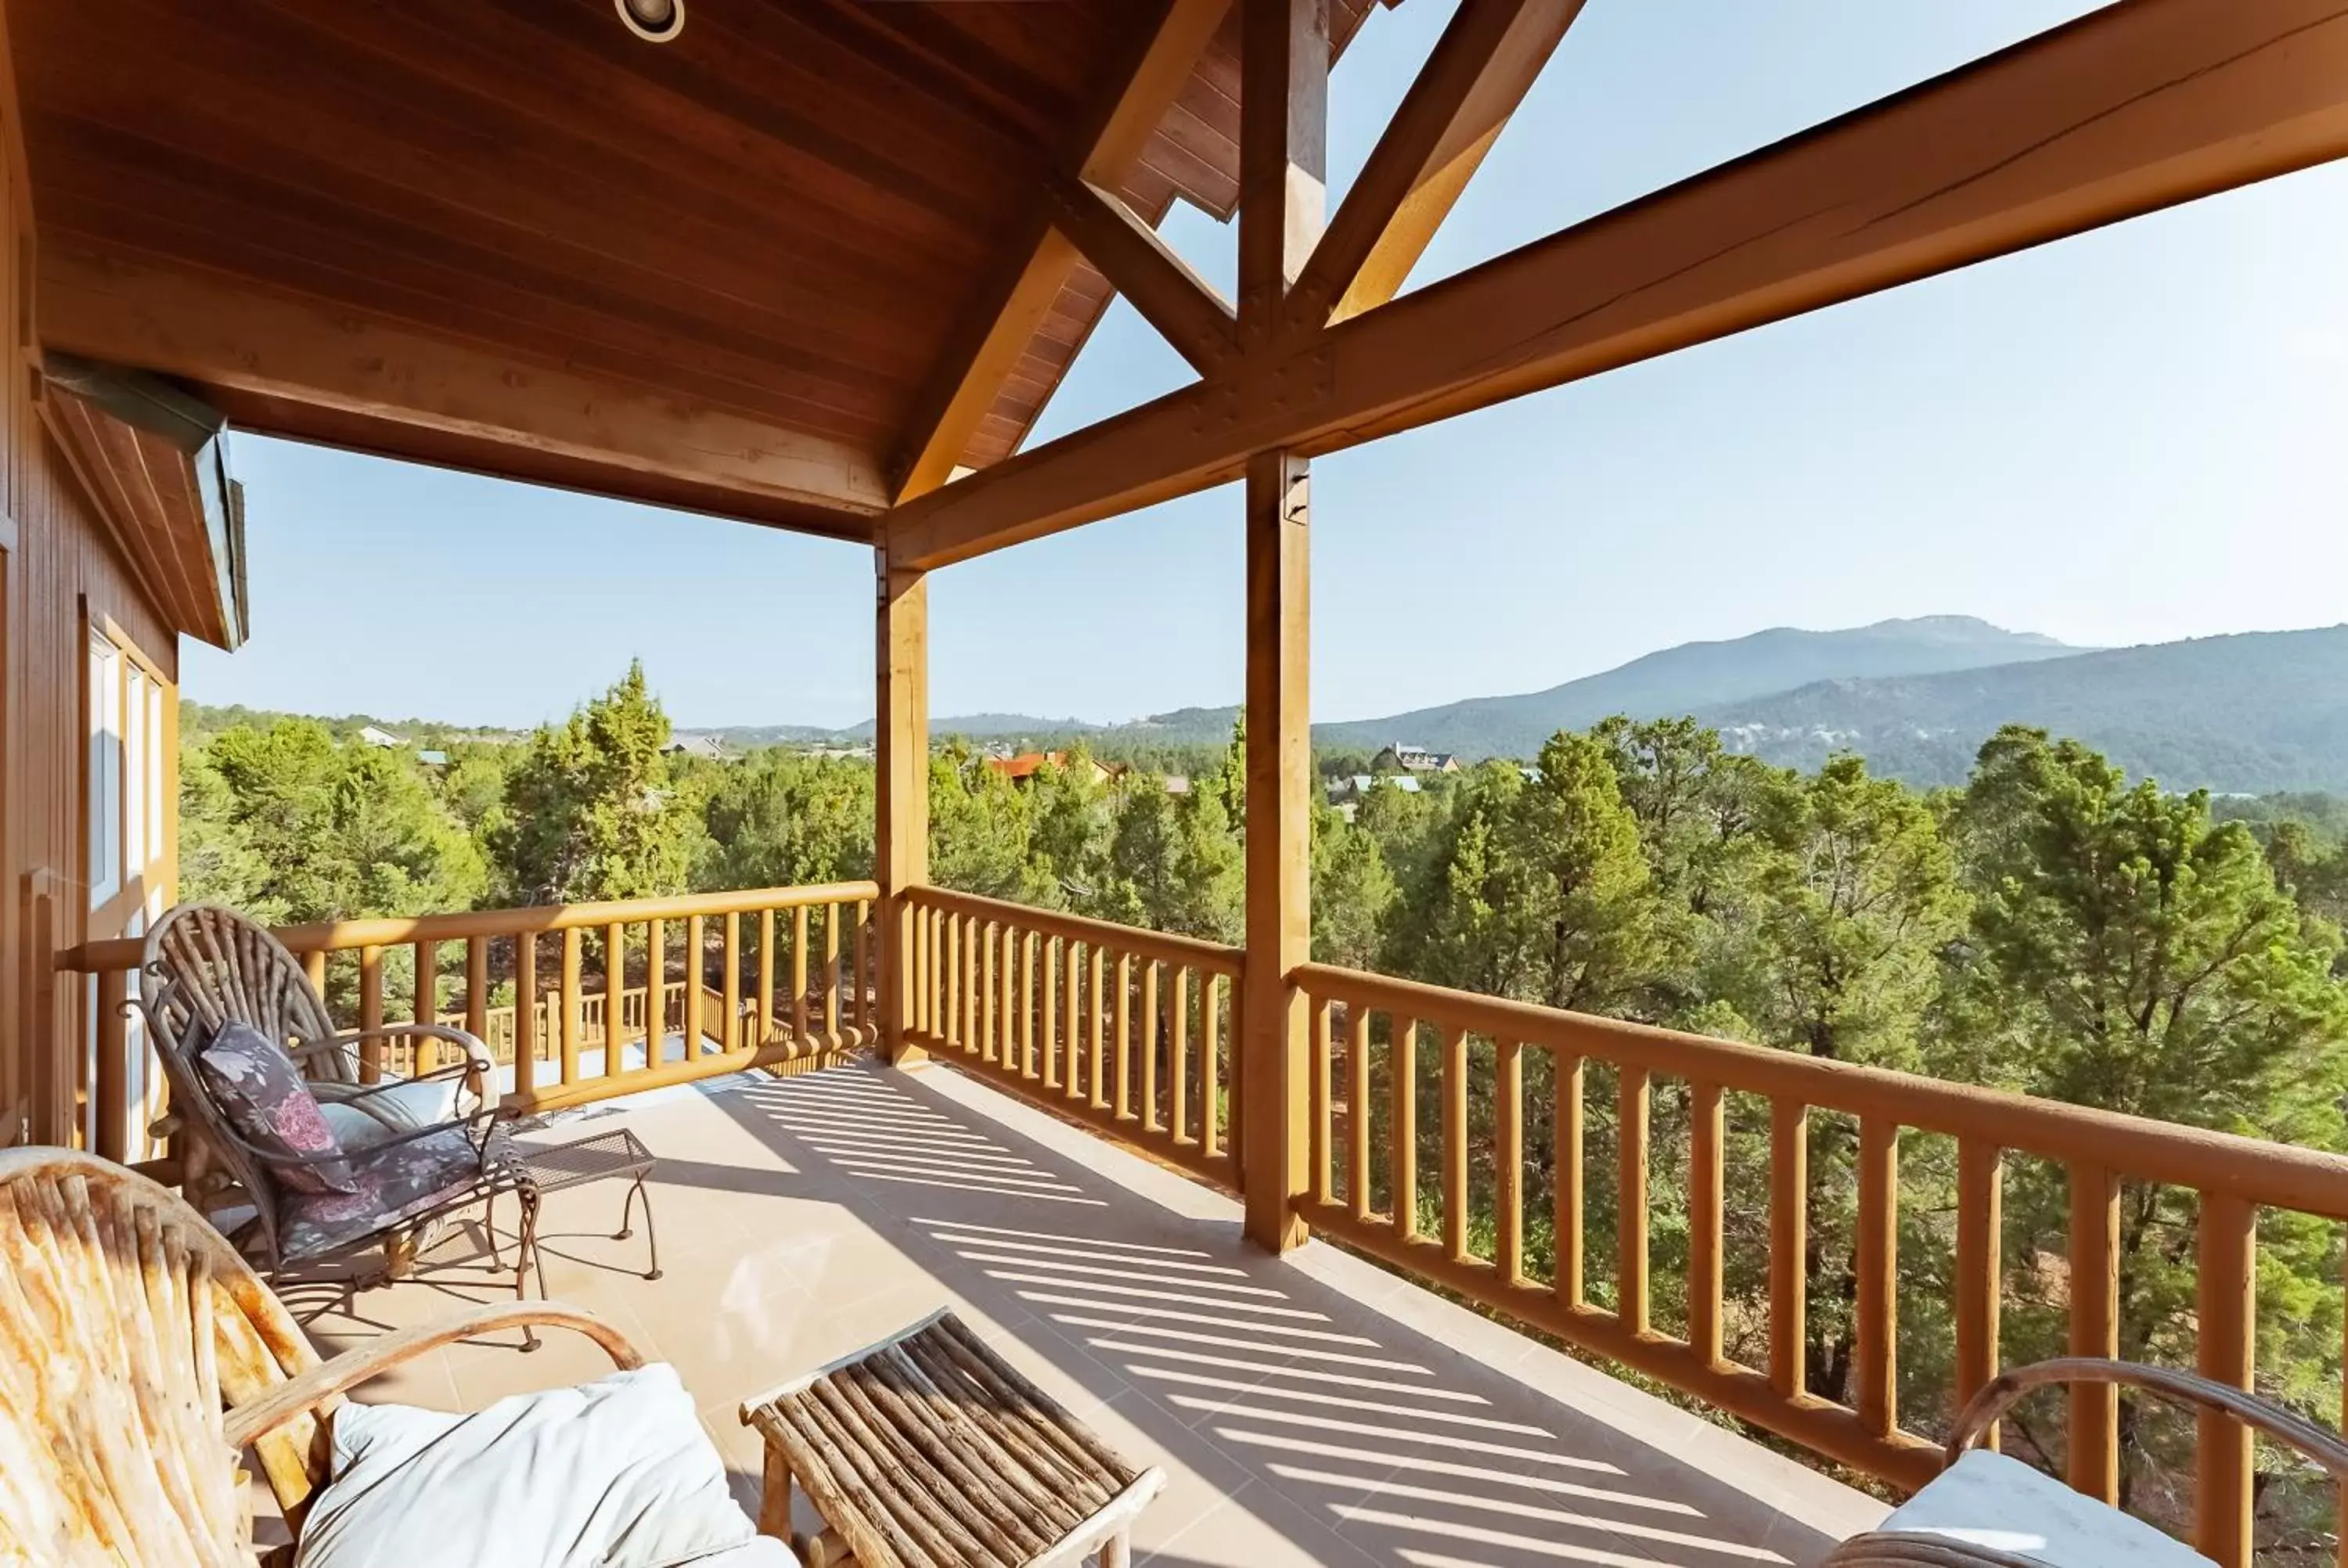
(1131, 1030)
(749, 979)
(1368, 1072)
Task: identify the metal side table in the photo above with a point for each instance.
(542, 1169)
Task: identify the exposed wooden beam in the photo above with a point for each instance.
(211, 330)
(1037, 260)
(2136, 108)
(1184, 307)
(1283, 136)
(1480, 70)
(1284, 154)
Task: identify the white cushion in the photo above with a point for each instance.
(362, 1124)
(1988, 1500)
(763, 1552)
(615, 1473)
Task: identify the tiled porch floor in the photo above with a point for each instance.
(1308, 1411)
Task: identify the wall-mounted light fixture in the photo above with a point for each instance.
(655, 21)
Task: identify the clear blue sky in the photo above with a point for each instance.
(2132, 437)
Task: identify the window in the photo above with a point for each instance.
(105, 785)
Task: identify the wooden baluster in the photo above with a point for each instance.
(863, 999)
(2094, 1436)
(1981, 1228)
(1149, 1034)
(1403, 1050)
(656, 992)
(1006, 1048)
(1876, 1264)
(1707, 1200)
(476, 988)
(313, 965)
(1566, 1137)
(1236, 1080)
(1124, 1109)
(1055, 1042)
(731, 1026)
(1508, 1158)
(1178, 1057)
(763, 1027)
(525, 1050)
(1321, 1088)
(831, 975)
(370, 1014)
(424, 1007)
(1027, 1067)
(1790, 1231)
(1210, 1033)
(1072, 1018)
(987, 1025)
(1357, 1110)
(615, 997)
(572, 1000)
(1632, 1097)
(2226, 1354)
(110, 1095)
(695, 980)
(1455, 1145)
(798, 979)
(1096, 1081)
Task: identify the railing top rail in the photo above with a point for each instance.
(1191, 950)
(2278, 1175)
(332, 936)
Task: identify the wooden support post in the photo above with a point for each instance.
(902, 760)
(1279, 852)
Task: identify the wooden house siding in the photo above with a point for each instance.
(62, 574)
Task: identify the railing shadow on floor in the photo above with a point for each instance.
(1355, 1436)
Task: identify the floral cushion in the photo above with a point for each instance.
(260, 1091)
(397, 1182)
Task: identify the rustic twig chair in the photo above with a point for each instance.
(139, 1356)
(205, 967)
(1908, 1544)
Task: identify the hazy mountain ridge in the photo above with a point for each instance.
(2250, 712)
(1694, 676)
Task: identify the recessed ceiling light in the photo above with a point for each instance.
(656, 21)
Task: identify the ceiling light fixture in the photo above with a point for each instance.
(655, 21)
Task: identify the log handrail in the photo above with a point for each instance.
(332, 936)
(1193, 952)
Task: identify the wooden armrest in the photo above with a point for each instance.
(1982, 1410)
(258, 1417)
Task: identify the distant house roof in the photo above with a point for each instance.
(706, 746)
(1415, 759)
(433, 759)
(1027, 764)
(372, 736)
(1362, 784)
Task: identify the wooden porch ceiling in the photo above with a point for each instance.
(750, 271)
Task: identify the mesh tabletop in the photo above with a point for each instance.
(931, 1448)
(553, 1167)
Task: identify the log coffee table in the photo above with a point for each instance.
(931, 1447)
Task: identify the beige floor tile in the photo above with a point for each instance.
(1310, 1410)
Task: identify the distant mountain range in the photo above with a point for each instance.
(2249, 714)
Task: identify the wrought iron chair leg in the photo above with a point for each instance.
(526, 1254)
(652, 1236)
(490, 1226)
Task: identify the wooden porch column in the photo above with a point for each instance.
(1284, 70)
(901, 760)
